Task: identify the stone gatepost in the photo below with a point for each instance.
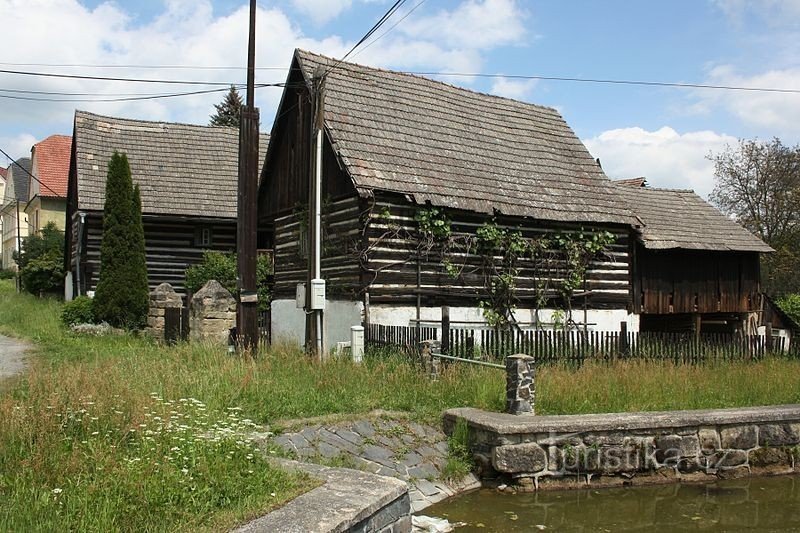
(212, 313)
(427, 350)
(161, 298)
(520, 384)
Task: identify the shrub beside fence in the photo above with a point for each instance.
(578, 346)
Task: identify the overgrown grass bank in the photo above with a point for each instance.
(118, 433)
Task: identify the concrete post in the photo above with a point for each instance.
(357, 343)
(520, 384)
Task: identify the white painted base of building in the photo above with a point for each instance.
(289, 322)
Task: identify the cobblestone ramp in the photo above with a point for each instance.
(403, 449)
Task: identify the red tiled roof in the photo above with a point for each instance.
(52, 164)
(3, 172)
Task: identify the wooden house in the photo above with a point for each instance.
(396, 145)
(188, 180)
(694, 268)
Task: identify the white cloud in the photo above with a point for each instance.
(776, 12)
(510, 88)
(17, 146)
(776, 113)
(186, 33)
(322, 11)
(475, 24)
(665, 157)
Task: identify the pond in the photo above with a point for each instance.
(765, 504)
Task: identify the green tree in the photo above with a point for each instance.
(229, 111)
(122, 297)
(222, 267)
(790, 304)
(41, 261)
(758, 183)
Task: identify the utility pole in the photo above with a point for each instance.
(247, 221)
(315, 287)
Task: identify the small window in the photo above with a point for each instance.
(204, 237)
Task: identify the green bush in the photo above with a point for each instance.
(122, 296)
(41, 262)
(78, 311)
(790, 304)
(7, 274)
(222, 267)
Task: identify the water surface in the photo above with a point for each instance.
(752, 504)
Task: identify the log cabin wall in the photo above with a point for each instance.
(696, 281)
(391, 268)
(171, 245)
(341, 234)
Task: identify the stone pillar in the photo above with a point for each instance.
(520, 384)
(161, 298)
(212, 313)
(427, 349)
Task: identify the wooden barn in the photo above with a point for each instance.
(188, 180)
(694, 268)
(399, 148)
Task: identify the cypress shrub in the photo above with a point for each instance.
(122, 295)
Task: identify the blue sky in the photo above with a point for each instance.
(662, 133)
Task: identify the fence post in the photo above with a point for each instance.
(357, 343)
(520, 384)
(768, 335)
(623, 339)
(445, 329)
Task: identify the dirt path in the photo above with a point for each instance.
(12, 357)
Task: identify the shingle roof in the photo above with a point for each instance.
(52, 165)
(181, 169)
(675, 218)
(461, 149)
(17, 186)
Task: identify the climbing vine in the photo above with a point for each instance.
(554, 263)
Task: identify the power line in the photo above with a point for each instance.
(646, 83)
(139, 67)
(382, 35)
(14, 164)
(386, 16)
(129, 98)
(106, 78)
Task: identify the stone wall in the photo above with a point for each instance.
(212, 313)
(533, 452)
(161, 298)
(347, 501)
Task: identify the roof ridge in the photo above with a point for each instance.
(421, 77)
(161, 122)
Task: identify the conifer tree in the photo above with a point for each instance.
(229, 111)
(121, 298)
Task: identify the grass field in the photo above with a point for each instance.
(119, 433)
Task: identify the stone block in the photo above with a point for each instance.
(733, 472)
(779, 434)
(724, 459)
(763, 457)
(670, 448)
(738, 437)
(617, 459)
(527, 458)
(615, 438)
(709, 440)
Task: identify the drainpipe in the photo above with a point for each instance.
(78, 252)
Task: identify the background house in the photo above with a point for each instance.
(12, 210)
(188, 179)
(396, 143)
(47, 194)
(694, 268)
(2, 196)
